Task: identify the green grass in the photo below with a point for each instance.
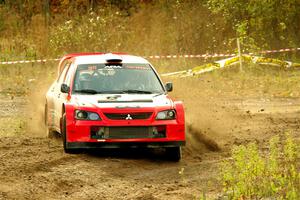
(252, 174)
(255, 80)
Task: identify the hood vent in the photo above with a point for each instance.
(131, 101)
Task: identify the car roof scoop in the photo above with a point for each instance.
(113, 58)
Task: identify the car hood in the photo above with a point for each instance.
(123, 100)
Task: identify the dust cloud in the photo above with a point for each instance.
(36, 108)
(209, 124)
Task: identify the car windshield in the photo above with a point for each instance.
(116, 78)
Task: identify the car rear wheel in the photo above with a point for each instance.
(173, 153)
(49, 133)
(64, 138)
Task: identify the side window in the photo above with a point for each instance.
(69, 75)
(63, 74)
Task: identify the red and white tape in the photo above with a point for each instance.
(191, 56)
(28, 61)
(278, 51)
(165, 56)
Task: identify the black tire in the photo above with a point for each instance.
(173, 153)
(50, 133)
(64, 138)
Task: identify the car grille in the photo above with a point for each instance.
(131, 116)
(128, 132)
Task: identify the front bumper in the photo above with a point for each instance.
(94, 145)
(79, 133)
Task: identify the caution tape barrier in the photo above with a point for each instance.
(205, 56)
(279, 50)
(150, 57)
(28, 61)
(192, 56)
(230, 62)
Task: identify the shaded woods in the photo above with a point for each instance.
(35, 29)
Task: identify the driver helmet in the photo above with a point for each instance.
(85, 80)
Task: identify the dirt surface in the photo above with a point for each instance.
(35, 167)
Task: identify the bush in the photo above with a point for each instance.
(253, 175)
(90, 32)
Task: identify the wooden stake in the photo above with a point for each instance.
(240, 54)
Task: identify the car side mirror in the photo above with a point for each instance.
(169, 87)
(64, 88)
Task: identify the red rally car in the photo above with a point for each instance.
(112, 101)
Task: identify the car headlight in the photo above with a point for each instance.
(86, 115)
(166, 114)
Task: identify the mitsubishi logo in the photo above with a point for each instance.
(128, 117)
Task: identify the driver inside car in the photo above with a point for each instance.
(85, 81)
(136, 82)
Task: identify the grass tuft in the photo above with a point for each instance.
(251, 174)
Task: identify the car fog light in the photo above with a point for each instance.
(100, 132)
(155, 131)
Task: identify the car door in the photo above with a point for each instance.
(59, 96)
(63, 97)
(51, 98)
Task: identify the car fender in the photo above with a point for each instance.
(180, 111)
(69, 110)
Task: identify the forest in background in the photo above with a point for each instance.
(32, 29)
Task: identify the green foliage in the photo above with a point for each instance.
(251, 175)
(139, 27)
(1, 19)
(92, 32)
(261, 23)
(47, 28)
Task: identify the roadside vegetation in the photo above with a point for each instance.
(39, 29)
(255, 174)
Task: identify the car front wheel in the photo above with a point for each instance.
(173, 153)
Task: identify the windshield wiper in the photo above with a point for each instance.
(90, 91)
(87, 91)
(158, 94)
(136, 92)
